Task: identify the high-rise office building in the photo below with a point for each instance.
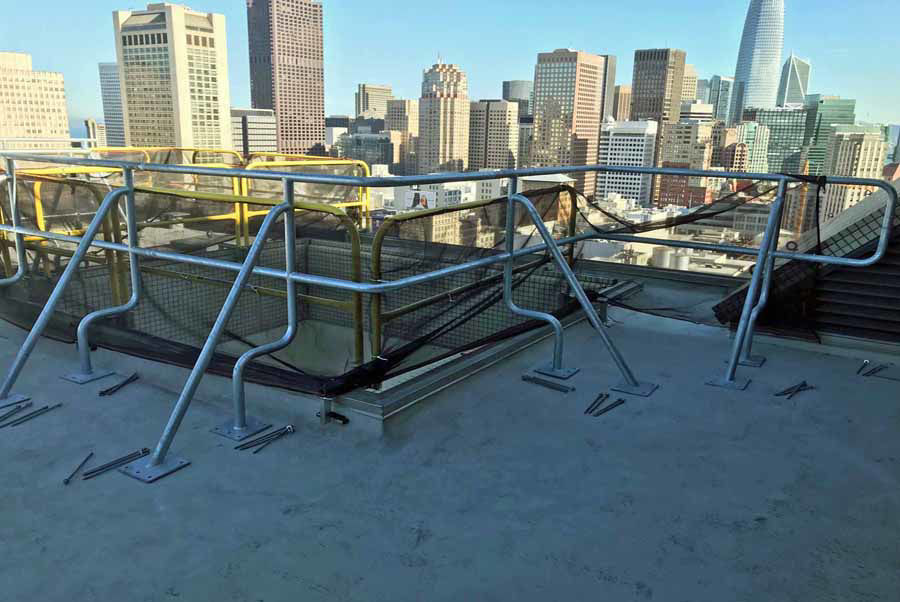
(111, 95)
(403, 117)
(794, 82)
(570, 95)
(372, 100)
(720, 92)
(622, 103)
(788, 136)
(520, 91)
(174, 77)
(287, 69)
(759, 58)
(443, 120)
(32, 105)
(96, 132)
(689, 87)
(756, 137)
(526, 140)
(627, 143)
(703, 86)
(825, 114)
(254, 131)
(854, 151)
(687, 144)
(656, 85)
(893, 154)
(493, 134)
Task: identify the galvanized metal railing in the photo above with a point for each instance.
(160, 464)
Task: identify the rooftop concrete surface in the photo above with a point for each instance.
(493, 489)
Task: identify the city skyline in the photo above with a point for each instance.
(838, 69)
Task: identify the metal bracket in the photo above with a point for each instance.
(641, 390)
(143, 471)
(562, 373)
(227, 430)
(12, 399)
(79, 378)
(753, 361)
(738, 384)
(531, 377)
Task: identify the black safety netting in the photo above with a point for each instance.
(344, 340)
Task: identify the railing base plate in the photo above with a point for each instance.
(143, 471)
(227, 430)
(561, 374)
(13, 398)
(754, 361)
(641, 390)
(82, 379)
(738, 384)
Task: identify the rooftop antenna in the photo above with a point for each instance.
(440, 60)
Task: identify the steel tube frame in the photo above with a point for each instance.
(87, 373)
(753, 293)
(631, 384)
(157, 459)
(49, 307)
(556, 368)
(239, 425)
(17, 223)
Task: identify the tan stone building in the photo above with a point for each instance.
(854, 151)
(622, 103)
(493, 134)
(174, 77)
(32, 105)
(443, 120)
(403, 116)
(570, 96)
(372, 100)
(685, 145)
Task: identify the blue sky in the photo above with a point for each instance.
(853, 46)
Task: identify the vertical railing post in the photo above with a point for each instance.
(50, 306)
(729, 381)
(87, 372)
(240, 426)
(159, 465)
(555, 368)
(17, 223)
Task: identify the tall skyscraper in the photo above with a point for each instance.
(788, 136)
(174, 77)
(825, 114)
(526, 140)
(627, 143)
(794, 82)
(854, 151)
(657, 84)
(893, 154)
(689, 87)
(520, 91)
(403, 117)
(570, 89)
(622, 103)
(443, 120)
(287, 69)
(32, 105)
(372, 100)
(759, 58)
(720, 92)
(111, 95)
(493, 134)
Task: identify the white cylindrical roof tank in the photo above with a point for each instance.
(681, 261)
(662, 257)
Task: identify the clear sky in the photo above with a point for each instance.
(853, 45)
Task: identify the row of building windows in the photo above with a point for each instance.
(143, 39)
